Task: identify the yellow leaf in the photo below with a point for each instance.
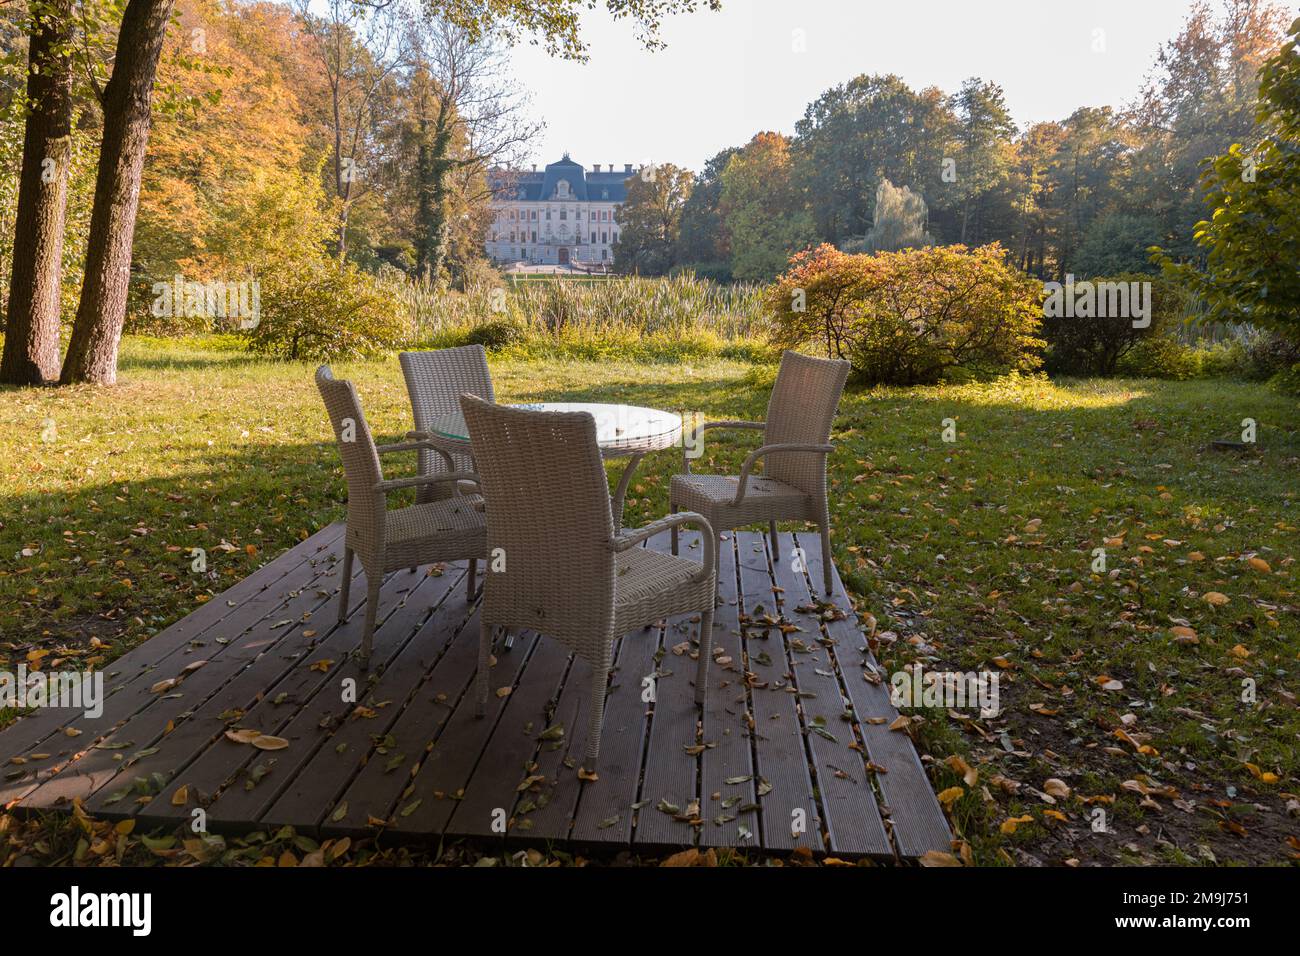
(267, 742)
(1215, 598)
(950, 796)
(181, 795)
(1009, 825)
(1259, 564)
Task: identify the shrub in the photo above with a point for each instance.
(495, 334)
(910, 317)
(1095, 345)
(1161, 356)
(323, 311)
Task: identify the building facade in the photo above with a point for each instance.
(562, 215)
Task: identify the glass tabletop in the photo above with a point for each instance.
(630, 428)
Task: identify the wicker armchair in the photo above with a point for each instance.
(435, 381)
(386, 540)
(796, 441)
(556, 566)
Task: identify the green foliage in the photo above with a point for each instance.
(650, 220)
(1116, 242)
(1251, 241)
(495, 334)
(325, 311)
(764, 214)
(1095, 345)
(911, 317)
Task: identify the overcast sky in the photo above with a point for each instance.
(727, 75)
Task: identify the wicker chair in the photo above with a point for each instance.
(565, 573)
(796, 441)
(449, 529)
(435, 381)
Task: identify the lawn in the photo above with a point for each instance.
(1152, 694)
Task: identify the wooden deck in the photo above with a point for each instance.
(774, 748)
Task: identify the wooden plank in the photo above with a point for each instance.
(492, 785)
(404, 605)
(850, 814)
(917, 821)
(671, 773)
(726, 724)
(443, 707)
(604, 813)
(448, 637)
(128, 679)
(105, 757)
(789, 816)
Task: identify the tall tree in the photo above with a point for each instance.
(984, 154)
(360, 47)
(650, 219)
(31, 348)
(703, 236)
(127, 100)
(764, 209)
(465, 117)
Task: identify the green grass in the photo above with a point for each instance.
(974, 554)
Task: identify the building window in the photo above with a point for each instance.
(593, 238)
(548, 215)
(604, 237)
(534, 235)
(564, 215)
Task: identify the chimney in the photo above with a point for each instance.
(596, 168)
(534, 167)
(627, 168)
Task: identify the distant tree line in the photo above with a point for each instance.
(1086, 195)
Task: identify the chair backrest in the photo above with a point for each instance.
(548, 515)
(356, 446)
(435, 381)
(802, 410)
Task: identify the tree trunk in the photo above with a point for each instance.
(31, 349)
(92, 353)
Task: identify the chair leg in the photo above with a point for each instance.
(599, 685)
(473, 573)
(347, 584)
(484, 655)
(827, 568)
(776, 544)
(674, 532)
(373, 584)
(706, 652)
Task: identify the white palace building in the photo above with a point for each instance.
(563, 215)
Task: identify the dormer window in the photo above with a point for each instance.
(562, 189)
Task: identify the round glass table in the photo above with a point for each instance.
(622, 431)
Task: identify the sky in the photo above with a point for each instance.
(757, 64)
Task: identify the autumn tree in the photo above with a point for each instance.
(650, 220)
(763, 208)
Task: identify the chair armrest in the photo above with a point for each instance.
(415, 481)
(766, 450)
(418, 444)
(633, 537)
(700, 429)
